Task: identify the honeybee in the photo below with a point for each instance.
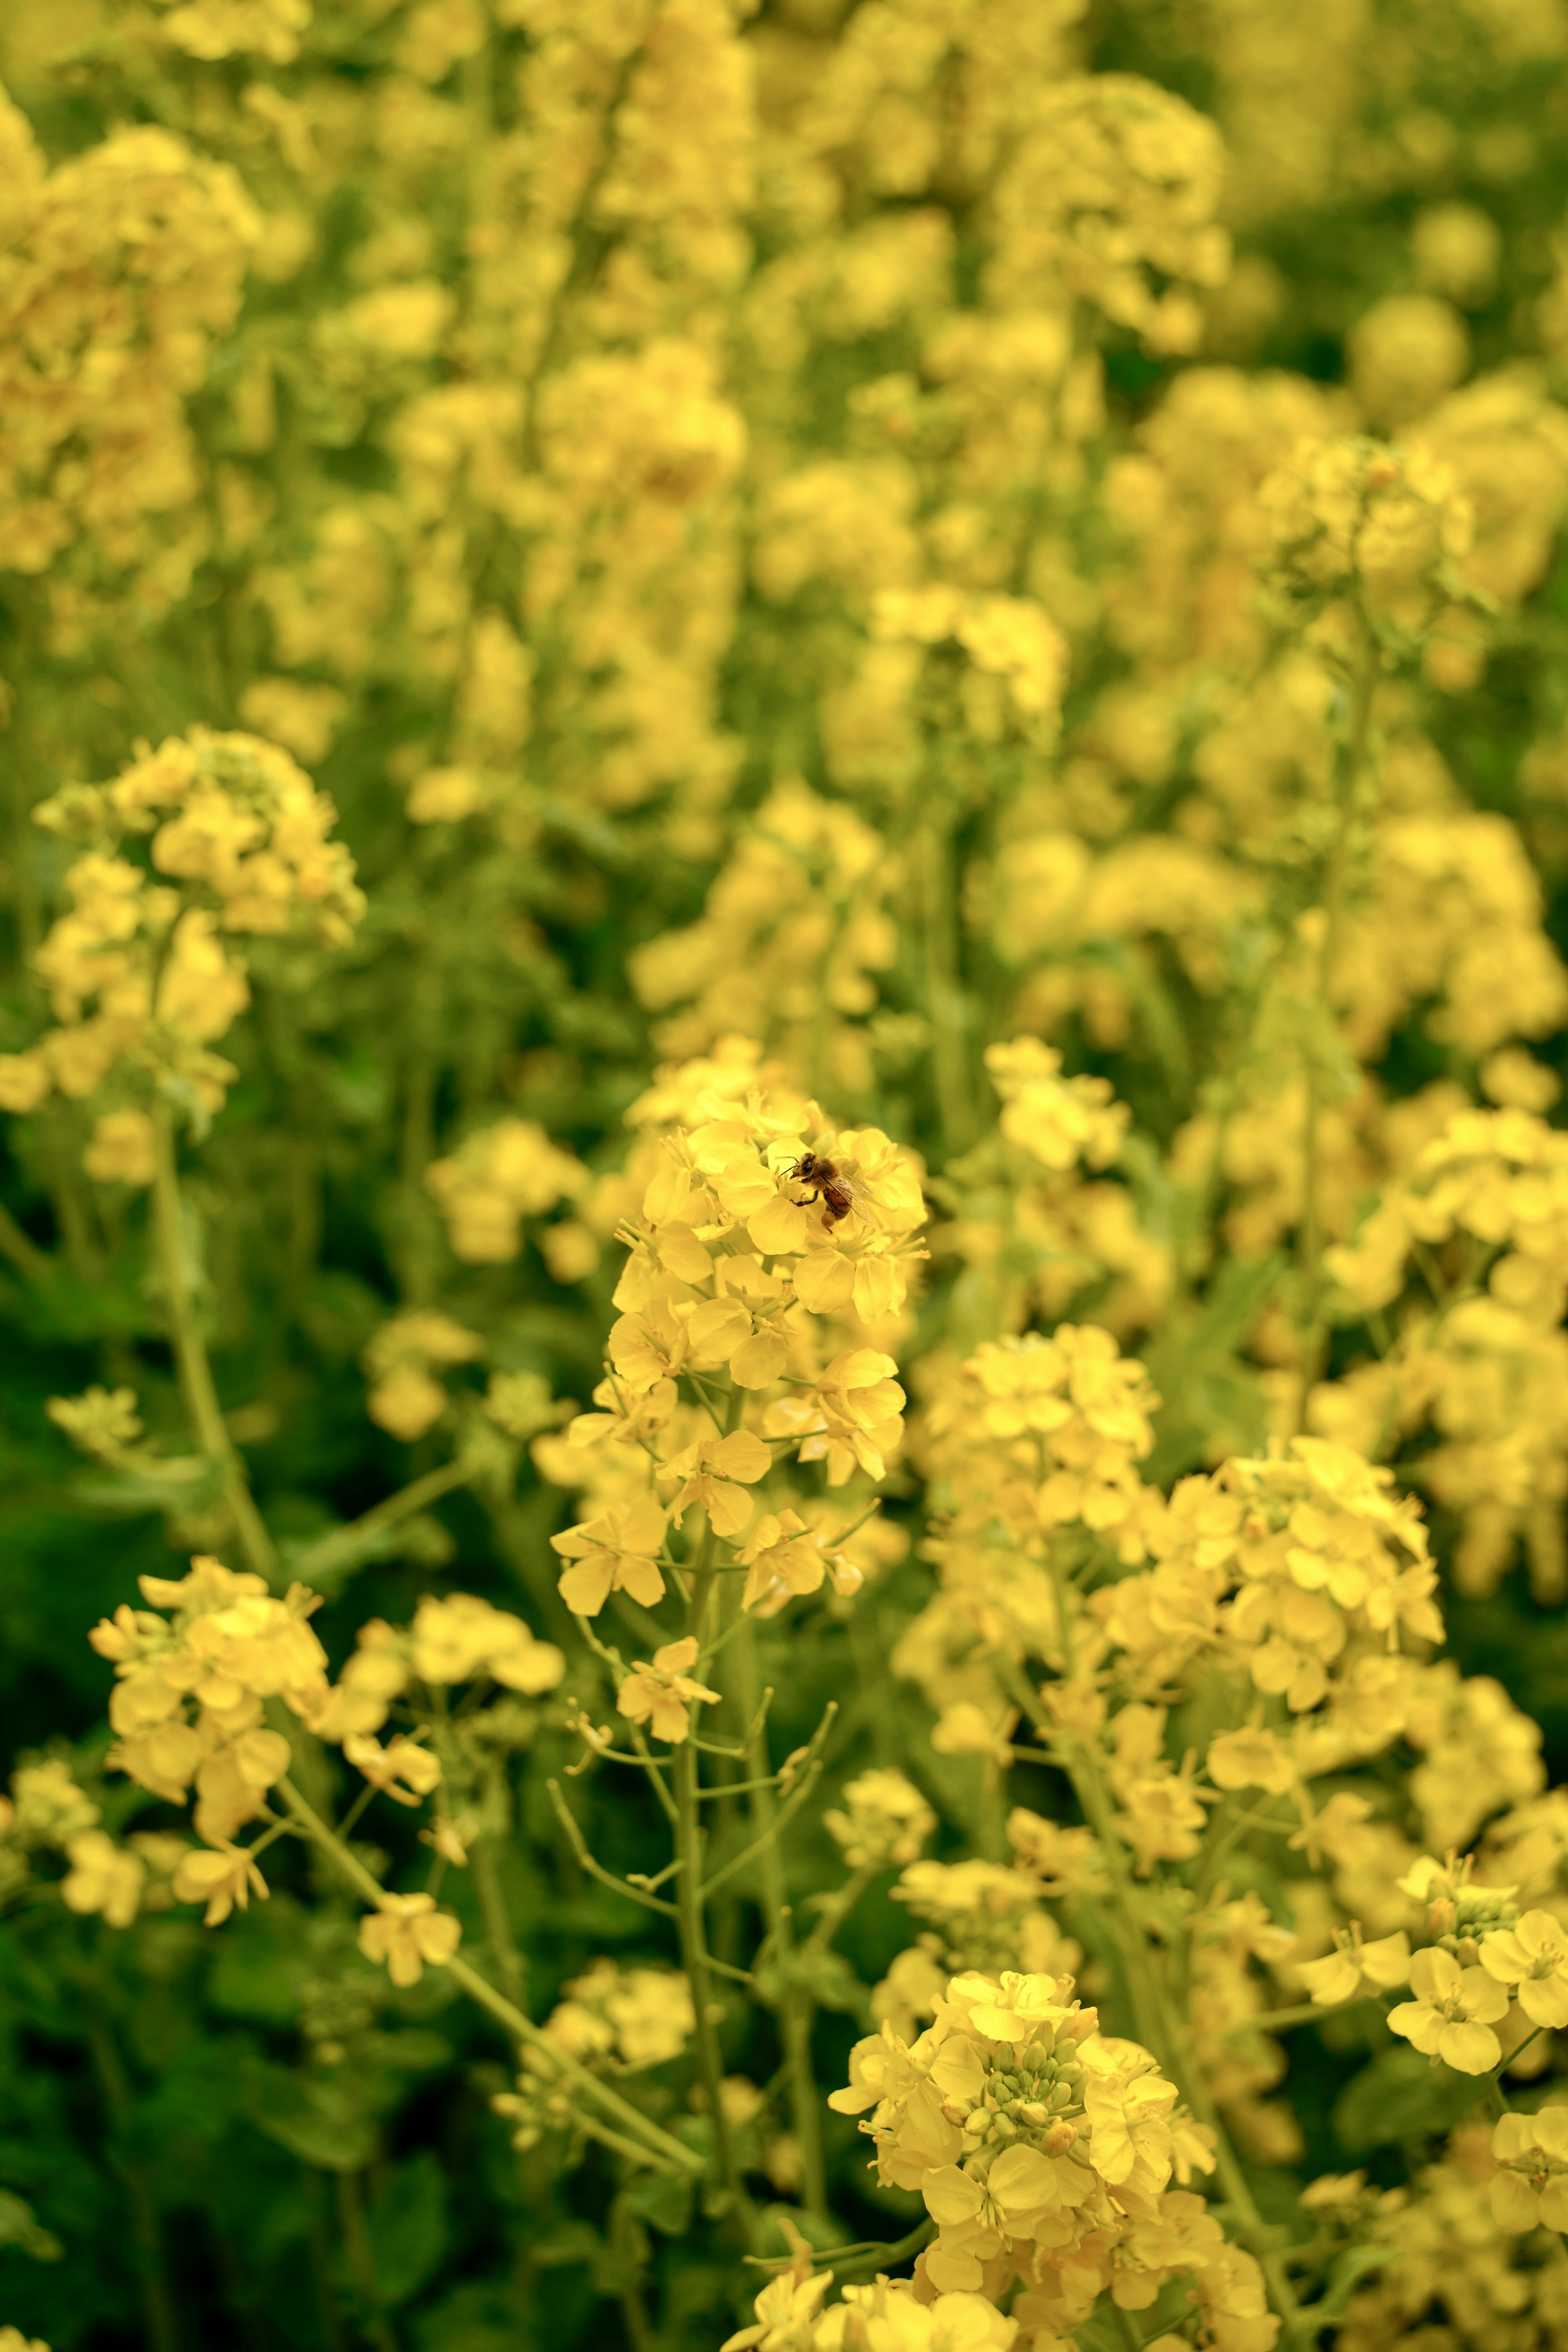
(827, 1183)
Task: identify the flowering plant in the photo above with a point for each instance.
(784, 1261)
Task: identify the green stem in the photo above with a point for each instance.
(1304, 2012)
(156, 2297)
(628, 2149)
(945, 1004)
(378, 2328)
(832, 1914)
(689, 1845)
(628, 2244)
(508, 1962)
(322, 2260)
(1349, 766)
(585, 253)
(345, 1545)
(28, 1259)
(1131, 2334)
(196, 1385)
(506, 2013)
(795, 2005)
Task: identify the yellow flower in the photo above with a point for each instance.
(1531, 2187)
(886, 1820)
(785, 2310)
(1128, 2102)
(403, 1398)
(852, 1419)
(102, 1878)
(613, 1552)
(100, 1420)
(401, 1760)
(659, 1694)
(706, 1471)
(1532, 1957)
(645, 2014)
(459, 1636)
(1008, 2008)
(646, 1348)
(1253, 1759)
(1353, 1965)
(1453, 2013)
(221, 1877)
(406, 1932)
(500, 1176)
(784, 1559)
(121, 1151)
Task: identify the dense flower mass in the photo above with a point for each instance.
(782, 1230)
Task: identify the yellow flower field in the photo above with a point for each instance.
(783, 1227)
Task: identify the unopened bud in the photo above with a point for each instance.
(1060, 2136)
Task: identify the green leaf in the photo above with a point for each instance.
(662, 2199)
(414, 2049)
(1205, 1383)
(408, 2227)
(1401, 2096)
(19, 2227)
(324, 2120)
(1354, 2264)
(827, 1976)
(475, 2317)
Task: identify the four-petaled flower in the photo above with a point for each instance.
(1532, 2184)
(705, 1472)
(220, 1875)
(402, 1770)
(659, 1695)
(1453, 2013)
(616, 1551)
(785, 2310)
(1345, 1973)
(406, 1932)
(1532, 1957)
(785, 1557)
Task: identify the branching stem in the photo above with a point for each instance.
(1349, 766)
(794, 2013)
(506, 2013)
(196, 1385)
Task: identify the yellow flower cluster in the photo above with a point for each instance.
(689, 461)
(795, 929)
(743, 1262)
(190, 1688)
(1357, 519)
(1045, 2151)
(194, 1677)
(122, 265)
(1453, 2270)
(141, 978)
(501, 1175)
(612, 2019)
(1479, 1215)
(1031, 1437)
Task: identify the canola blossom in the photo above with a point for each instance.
(783, 1220)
